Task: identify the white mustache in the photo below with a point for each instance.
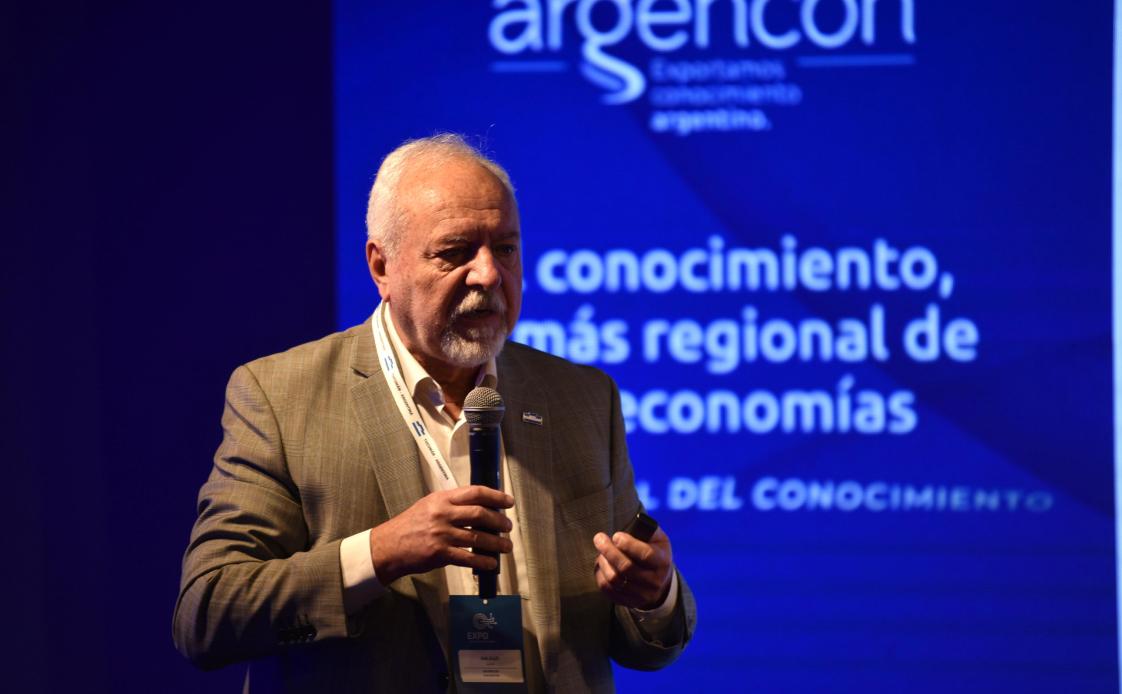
(477, 300)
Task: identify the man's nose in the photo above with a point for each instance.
(484, 272)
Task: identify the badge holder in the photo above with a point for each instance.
(486, 638)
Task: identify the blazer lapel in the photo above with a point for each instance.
(397, 464)
(529, 455)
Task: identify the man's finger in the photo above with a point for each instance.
(477, 495)
(615, 588)
(462, 557)
(634, 582)
(480, 540)
(613, 554)
(641, 553)
(622, 573)
(479, 517)
(602, 581)
(605, 572)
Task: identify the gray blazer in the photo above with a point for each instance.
(314, 451)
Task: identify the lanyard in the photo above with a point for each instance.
(442, 474)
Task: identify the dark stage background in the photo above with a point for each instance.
(168, 215)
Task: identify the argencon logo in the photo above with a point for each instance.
(542, 27)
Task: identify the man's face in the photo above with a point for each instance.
(454, 285)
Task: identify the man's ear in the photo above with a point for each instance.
(376, 262)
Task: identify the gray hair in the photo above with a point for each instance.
(385, 216)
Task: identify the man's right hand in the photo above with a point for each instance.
(434, 532)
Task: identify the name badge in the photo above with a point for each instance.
(486, 640)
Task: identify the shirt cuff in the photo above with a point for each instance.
(360, 584)
(655, 619)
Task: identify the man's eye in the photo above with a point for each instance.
(453, 255)
(506, 249)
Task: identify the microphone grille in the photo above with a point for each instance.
(484, 406)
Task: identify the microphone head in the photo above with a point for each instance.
(484, 407)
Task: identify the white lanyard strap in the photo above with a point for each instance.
(442, 474)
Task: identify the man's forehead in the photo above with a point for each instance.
(464, 191)
(453, 180)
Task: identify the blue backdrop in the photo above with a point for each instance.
(170, 214)
(850, 263)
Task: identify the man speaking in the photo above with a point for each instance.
(338, 536)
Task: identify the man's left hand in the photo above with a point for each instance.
(631, 572)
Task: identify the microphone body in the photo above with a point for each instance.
(483, 410)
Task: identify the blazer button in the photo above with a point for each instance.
(443, 681)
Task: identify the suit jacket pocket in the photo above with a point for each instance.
(597, 505)
(578, 520)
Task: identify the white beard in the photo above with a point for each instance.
(477, 345)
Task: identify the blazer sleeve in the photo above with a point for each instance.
(631, 645)
(251, 583)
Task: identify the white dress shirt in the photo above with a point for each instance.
(361, 585)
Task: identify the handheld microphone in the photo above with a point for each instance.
(483, 410)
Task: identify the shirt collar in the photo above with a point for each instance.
(419, 382)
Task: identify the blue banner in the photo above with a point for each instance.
(850, 264)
